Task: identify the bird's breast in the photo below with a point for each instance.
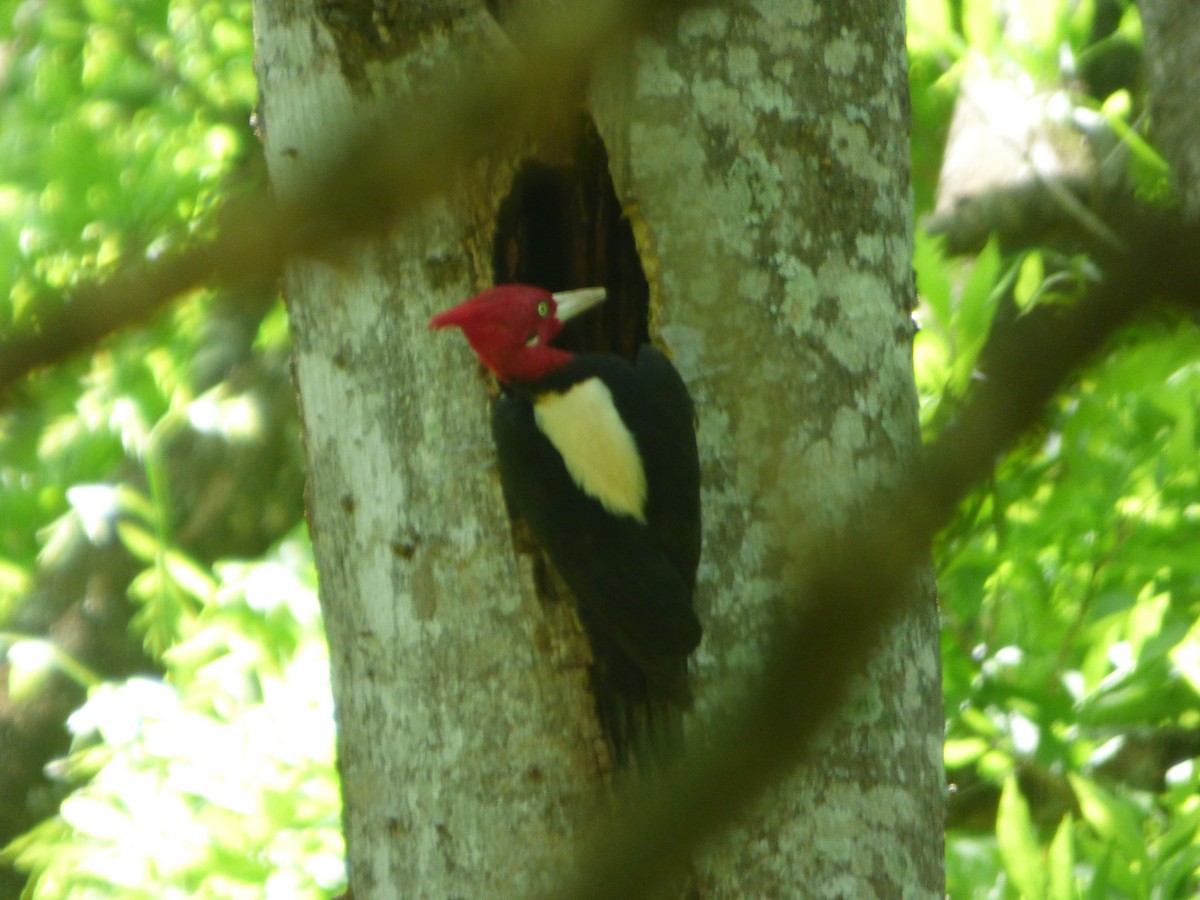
(600, 452)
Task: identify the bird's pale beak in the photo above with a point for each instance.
(572, 303)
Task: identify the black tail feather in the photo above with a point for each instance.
(640, 712)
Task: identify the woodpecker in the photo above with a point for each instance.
(599, 457)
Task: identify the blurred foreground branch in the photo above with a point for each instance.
(858, 591)
(414, 151)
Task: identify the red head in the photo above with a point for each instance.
(510, 327)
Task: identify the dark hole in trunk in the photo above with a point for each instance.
(561, 227)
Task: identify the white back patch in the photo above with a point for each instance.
(601, 455)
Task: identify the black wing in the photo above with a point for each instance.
(667, 442)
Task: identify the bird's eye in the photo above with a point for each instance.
(543, 308)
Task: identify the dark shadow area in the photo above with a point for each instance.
(562, 227)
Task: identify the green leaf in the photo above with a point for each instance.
(933, 277)
(14, 582)
(1061, 862)
(1080, 17)
(1186, 657)
(190, 577)
(143, 544)
(162, 616)
(1019, 842)
(961, 752)
(1130, 26)
(1113, 817)
(1148, 692)
(1149, 171)
(1029, 280)
(1182, 832)
(1176, 875)
(929, 28)
(1040, 22)
(975, 312)
(977, 305)
(981, 26)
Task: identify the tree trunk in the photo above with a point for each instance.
(761, 151)
(464, 744)
(760, 154)
(1172, 30)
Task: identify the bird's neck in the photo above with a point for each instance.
(529, 364)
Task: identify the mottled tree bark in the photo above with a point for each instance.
(761, 149)
(465, 747)
(1172, 30)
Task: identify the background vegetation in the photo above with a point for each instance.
(158, 623)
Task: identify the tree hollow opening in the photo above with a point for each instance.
(561, 227)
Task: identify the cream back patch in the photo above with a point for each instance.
(601, 455)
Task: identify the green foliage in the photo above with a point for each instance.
(218, 779)
(118, 118)
(120, 125)
(124, 128)
(1019, 843)
(1148, 170)
(1069, 591)
(1068, 584)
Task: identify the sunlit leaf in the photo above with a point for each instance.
(1019, 843)
(963, 751)
(1060, 862)
(190, 577)
(981, 26)
(933, 279)
(30, 664)
(1029, 280)
(1186, 657)
(1113, 817)
(138, 541)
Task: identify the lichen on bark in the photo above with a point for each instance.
(762, 149)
